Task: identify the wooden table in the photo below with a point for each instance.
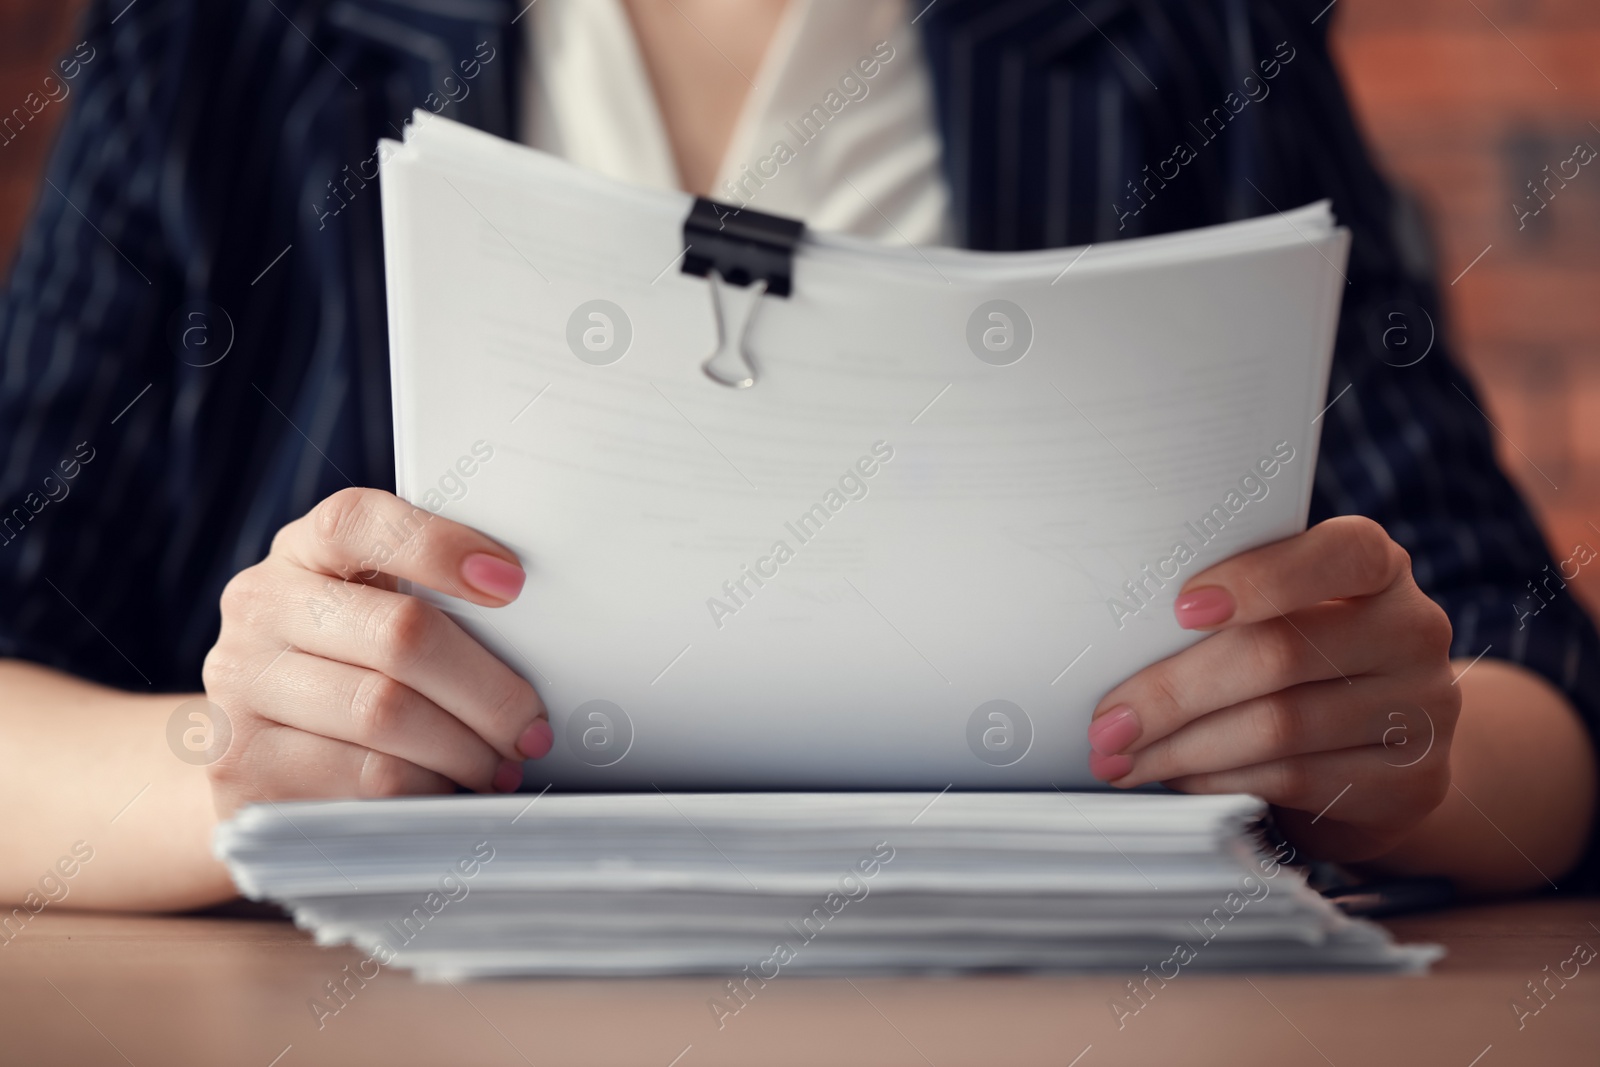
(86, 990)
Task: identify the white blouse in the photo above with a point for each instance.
(838, 131)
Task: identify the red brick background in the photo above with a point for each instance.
(1465, 101)
(32, 34)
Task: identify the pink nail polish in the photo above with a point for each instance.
(508, 777)
(1109, 768)
(1210, 605)
(493, 576)
(1114, 731)
(537, 740)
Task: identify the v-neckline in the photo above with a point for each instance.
(647, 107)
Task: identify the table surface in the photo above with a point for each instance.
(86, 989)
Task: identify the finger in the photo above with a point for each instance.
(402, 637)
(282, 763)
(358, 534)
(1337, 641)
(1353, 786)
(369, 709)
(1301, 720)
(1346, 556)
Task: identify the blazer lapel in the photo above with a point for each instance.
(988, 61)
(459, 58)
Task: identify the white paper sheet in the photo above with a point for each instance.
(1008, 511)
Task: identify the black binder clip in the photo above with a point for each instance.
(746, 249)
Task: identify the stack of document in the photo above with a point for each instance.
(758, 885)
(951, 512)
(804, 512)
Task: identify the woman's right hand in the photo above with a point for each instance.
(337, 685)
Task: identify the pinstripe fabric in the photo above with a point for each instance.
(206, 138)
(203, 144)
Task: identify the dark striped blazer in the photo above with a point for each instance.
(212, 192)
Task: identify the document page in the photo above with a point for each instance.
(952, 511)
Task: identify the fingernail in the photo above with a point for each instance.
(1210, 605)
(1114, 731)
(493, 576)
(1109, 768)
(508, 777)
(537, 740)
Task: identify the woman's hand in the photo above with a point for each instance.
(336, 685)
(1326, 689)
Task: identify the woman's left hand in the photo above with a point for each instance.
(1326, 689)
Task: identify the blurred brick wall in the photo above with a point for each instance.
(32, 34)
(1465, 101)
